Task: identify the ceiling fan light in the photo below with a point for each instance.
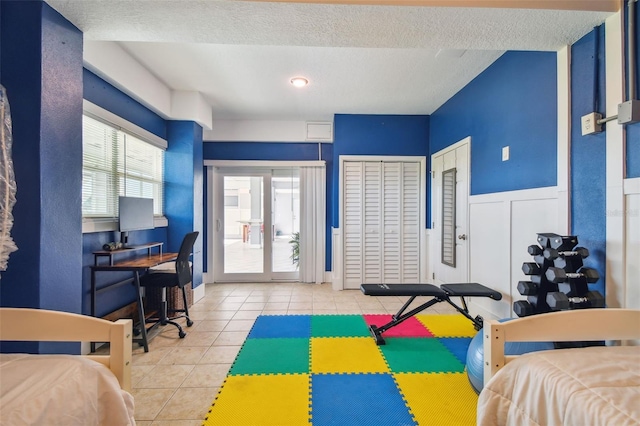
(299, 81)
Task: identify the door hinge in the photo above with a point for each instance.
(433, 275)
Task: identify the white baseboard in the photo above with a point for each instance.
(198, 292)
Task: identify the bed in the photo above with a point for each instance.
(582, 386)
(65, 389)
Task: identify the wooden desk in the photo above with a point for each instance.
(136, 265)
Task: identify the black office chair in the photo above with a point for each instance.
(167, 278)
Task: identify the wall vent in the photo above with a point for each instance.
(320, 131)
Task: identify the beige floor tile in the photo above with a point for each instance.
(206, 375)
(149, 358)
(210, 325)
(165, 376)
(252, 315)
(175, 423)
(252, 306)
(220, 315)
(200, 338)
(228, 306)
(231, 338)
(138, 372)
(239, 325)
(220, 355)
(296, 306)
(275, 312)
(189, 404)
(181, 356)
(276, 305)
(149, 402)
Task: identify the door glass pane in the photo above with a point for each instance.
(243, 224)
(285, 193)
(449, 217)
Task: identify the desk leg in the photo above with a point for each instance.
(93, 302)
(143, 326)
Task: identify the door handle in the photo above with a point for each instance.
(218, 225)
(462, 237)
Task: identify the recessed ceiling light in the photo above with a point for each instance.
(299, 81)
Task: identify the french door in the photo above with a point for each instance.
(255, 222)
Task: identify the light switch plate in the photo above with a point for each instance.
(505, 153)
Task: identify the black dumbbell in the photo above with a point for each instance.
(527, 288)
(530, 268)
(575, 287)
(557, 242)
(551, 253)
(522, 308)
(557, 275)
(534, 250)
(570, 263)
(558, 301)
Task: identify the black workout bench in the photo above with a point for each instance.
(439, 294)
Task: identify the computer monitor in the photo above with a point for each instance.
(134, 214)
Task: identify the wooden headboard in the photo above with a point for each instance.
(563, 326)
(25, 324)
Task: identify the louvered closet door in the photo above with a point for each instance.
(352, 237)
(410, 260)
(381, 222)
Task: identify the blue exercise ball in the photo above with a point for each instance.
(475, 356)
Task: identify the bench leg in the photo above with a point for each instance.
(464, 310)
(399, 317)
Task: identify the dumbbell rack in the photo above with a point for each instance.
(558, 280)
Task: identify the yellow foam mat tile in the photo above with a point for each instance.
(448, 325)
(274, 400)
(440, 399)
(346, 355)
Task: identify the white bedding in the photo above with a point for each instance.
(582, 387)
(60, 390)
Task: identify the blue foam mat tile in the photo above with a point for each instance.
(357, 399)
(277, 326)
(458, 346)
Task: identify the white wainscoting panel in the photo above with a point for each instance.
(501, 227)
(336, 259)
(632, 249)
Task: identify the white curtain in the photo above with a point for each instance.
(312, 224)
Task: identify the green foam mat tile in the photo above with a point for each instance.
(406, 355)
(338, 326)
(272, 356)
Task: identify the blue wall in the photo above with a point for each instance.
(184, 189)
(42, 72)
(588, 153)
(401, 135)
(633, 130)
(105, 95)
(513, 102)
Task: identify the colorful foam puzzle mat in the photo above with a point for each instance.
(327, 370)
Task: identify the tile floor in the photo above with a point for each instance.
(176, 381)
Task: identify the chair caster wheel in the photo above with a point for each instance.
(189, 323)
(182, 334)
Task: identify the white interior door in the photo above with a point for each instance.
(449, 213)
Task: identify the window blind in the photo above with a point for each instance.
(118, 163)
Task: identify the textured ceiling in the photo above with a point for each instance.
(359, 58)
